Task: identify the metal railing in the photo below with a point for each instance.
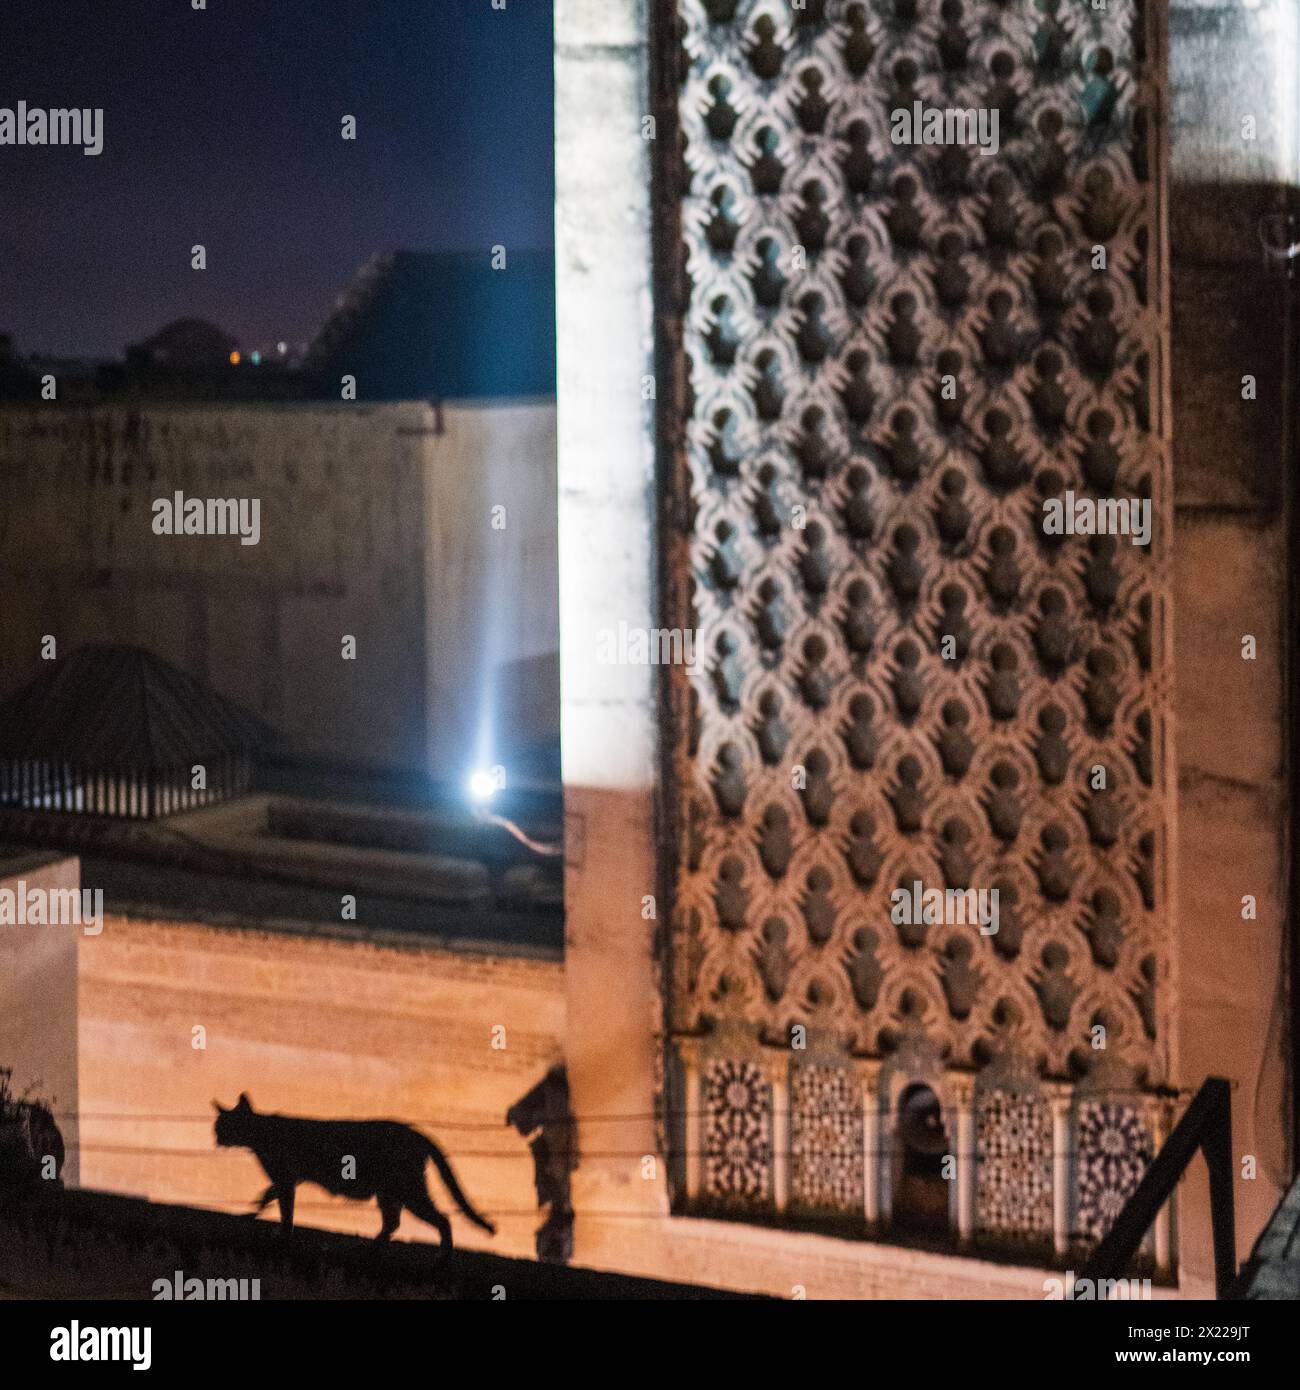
(1207, 1126)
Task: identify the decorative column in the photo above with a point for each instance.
(869, 1073)
(1159, 1121)
(1059, 1096)
(778, 1075)
(885, 1154)
(962, 1090)
(693, 1126)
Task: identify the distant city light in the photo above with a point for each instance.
(256, 359)
(282, 348)
(234, 359)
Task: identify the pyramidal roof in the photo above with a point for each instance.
(115, 708)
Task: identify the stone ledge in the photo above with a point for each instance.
(97, 1245)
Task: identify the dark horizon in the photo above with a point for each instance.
(95, 251)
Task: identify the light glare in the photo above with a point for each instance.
(482, 785)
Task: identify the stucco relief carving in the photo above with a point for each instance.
(896, 355)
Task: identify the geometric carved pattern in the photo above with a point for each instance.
(890, 356)
(1014, 1176)
(1112, 1150)
(826, 1138)
(737, 1133)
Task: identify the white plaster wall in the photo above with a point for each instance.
(607, 549)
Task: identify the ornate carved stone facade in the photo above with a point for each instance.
(892, 356)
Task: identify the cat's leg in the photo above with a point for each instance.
(286, 1191)
(390, 1208)
(266, 1199)
(421, 1204)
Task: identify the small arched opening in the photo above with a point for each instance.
(921, 1191)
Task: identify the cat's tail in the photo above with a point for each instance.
(463, 1202)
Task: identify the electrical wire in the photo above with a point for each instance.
(537, 846)
(437, 1122)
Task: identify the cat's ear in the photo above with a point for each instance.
(216, 1105)
(244, 1102)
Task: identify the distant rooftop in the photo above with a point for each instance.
(417, 325)
(411, 326)
(185, 343)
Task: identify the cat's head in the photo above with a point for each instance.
(233, 1126)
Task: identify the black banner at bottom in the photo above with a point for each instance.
(1041, 1340)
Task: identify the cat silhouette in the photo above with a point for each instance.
(349, 1158)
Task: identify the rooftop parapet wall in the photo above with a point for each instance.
(372, 521)
(340, 505)
(442, 1040)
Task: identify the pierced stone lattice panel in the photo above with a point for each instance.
(842, 514)
(737, 1133)
(1112, 1150)
(1013, 1179)
(825, 1139)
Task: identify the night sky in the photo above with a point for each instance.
(223, 127)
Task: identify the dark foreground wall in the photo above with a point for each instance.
(90, 1245)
